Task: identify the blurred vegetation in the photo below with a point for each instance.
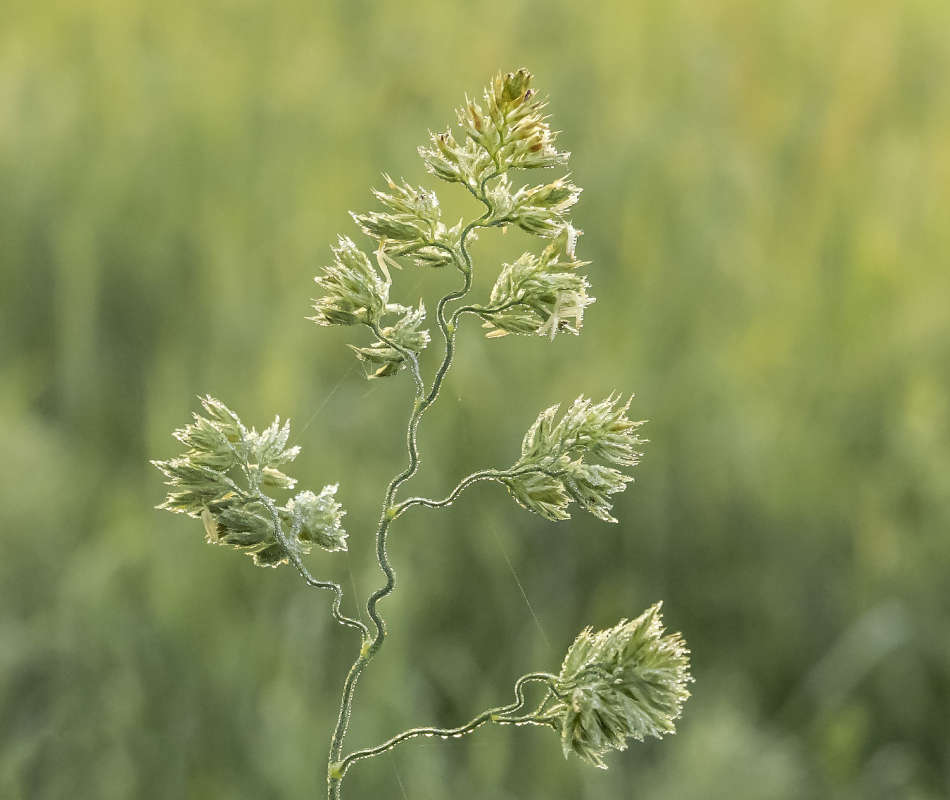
(766, 210)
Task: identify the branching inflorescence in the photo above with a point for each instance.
(626, 682)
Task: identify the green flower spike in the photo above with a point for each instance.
(389, 356)
(540, 295)
(510, 131)
(539, 210)
(411, 225)
(626, 682)
(556, 459)
(221, 478)
(318, 518)
(355, 292)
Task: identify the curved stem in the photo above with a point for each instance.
(295, 559)
(483, 311)
(422, 404)
(371, 646)
(539, 712)
(475, 477)
(498, 715)
(527, 719)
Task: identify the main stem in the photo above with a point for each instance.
(423, 401)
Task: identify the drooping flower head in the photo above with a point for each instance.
(224, 476)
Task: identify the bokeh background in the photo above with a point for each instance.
(766, 208)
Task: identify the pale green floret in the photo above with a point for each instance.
(388, 355)
(539, 210)
(354, 290)
(540, 295)
(556, 458)
(465, 163)
(509, 132)
(411, 225)
(412, 214)
(626, 682)
(358, 292)
(319, 517)
(222, 476)
(246, 526)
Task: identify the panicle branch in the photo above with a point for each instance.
(563, 453)
(625, 682)
(206, 481)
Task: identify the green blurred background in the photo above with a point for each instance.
(766, 208)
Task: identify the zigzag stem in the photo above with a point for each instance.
(371, 646)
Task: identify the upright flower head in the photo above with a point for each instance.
(411, 225)
(354, 290)
(507, 130)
